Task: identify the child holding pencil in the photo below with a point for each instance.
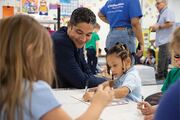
(172, 77)
(127, 82)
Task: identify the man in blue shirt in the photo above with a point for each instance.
(123, 16)
(71, 67)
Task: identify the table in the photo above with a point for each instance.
(76, 107)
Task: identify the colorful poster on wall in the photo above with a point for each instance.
(150, 13)
(8, 11)
(30, 6)
(68, 7)
(43, 7)
(65, 1)
(53, 6)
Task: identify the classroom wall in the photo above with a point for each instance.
(104, 26)
(174, 5)
(97, 4)
(14, 3)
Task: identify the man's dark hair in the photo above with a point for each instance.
(82, 14)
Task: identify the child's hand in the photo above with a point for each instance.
(103, 96)
(92, 89)
(153, 28)
(145, 108)
(88, 96)
(108, 83)
(139, 53)
(149, 117)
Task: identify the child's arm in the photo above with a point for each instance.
(148, 109)
(97, 48)
(121, 92)
(89, 95)
(108, 83)
(101, 99)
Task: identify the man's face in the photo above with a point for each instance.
(160, 4)
(80, 33)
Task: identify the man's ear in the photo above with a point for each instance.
(69, 25)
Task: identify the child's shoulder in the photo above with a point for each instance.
(174, 70)
(40, 84)
(132, 72)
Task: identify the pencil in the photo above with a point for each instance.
(86, 86)
(142, 101)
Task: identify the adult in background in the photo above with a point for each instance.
(71, 67)
(123, 16)
(163, 29)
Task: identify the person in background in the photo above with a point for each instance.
(92, 49)
(163, 28)
(172, 76)
(27, 71)
(127, 82)
(168, 108)
(138, 55)
(68, 47)
(49, 30)
(101, 68)
(150, 59)
(123, 16)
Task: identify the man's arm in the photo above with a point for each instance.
(136, 26)
(166, 25)
(161, 26)
(67, 67)
(102, 17)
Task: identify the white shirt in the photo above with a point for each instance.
(131, 80)
(163, 36)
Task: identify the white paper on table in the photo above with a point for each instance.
(114, 102)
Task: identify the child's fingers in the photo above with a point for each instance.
(100, 87)
(92, 89)
(107, 88)
(110, 91)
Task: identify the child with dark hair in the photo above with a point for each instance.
(127, 82)
(150, 58)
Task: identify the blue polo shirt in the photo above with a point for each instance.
(120, 12)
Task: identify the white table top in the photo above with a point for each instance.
(128, 111)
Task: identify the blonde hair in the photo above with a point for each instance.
(176, 38)
(25, 55)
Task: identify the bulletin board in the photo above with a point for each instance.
(150, 13)
(30, 6)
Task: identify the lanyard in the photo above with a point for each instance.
(161, 12)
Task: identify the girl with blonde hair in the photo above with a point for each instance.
(27, 71)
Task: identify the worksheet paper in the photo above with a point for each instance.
(114, 102)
